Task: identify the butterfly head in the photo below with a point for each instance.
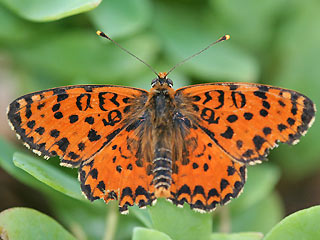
(162, 80)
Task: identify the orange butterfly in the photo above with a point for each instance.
(188, 145)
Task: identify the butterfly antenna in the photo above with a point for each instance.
(102, 34)
(225, 37)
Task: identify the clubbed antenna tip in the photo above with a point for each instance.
(102, 34)
(223, 38)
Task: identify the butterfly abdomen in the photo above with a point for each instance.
(162, 171)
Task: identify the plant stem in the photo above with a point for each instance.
(225, 225)
(111, 221)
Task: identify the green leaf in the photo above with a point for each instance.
(303, 224)
(260, 183)
(120, 18)
(85, 219)
(11, 25)
(222, 62)
(297, 56)
(142, 215)
(25, 223)
(47, 10)
(250, 22)
(237, 236)
(180, 223)
(260, 217)
(6, 154)
(146, 234)
(82, 56)
(49, 175)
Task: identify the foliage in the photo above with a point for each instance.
(273, 42)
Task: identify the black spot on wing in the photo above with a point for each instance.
(88, 88)
(205, 167)
(63, 144)
(40, 130)
(258, 142)
(195, 165)
(62, 97)
(237, 188)
(231, 170)
(31, 124)
(248, 153)
(73, 155)
(260, 94)
(226, 198)
(291, 121)
(281, 103)
(232, 118)
(223, 184)
(56, 107)
(58, 115)
(93, 136)
(239, 144)
(228, 133)
(308, 111)
(28, 111)
(101, 186)
(266, 104)
(213, 193)
(198, 190)
(73, 118)
(41, 105)
(119, 168)
(57, 91)
(126, 192)
(54, 133)
(266, 131)
(198, 205)
(89, 120)
(263, 113)
(248, 116)
(233, 87)
(282, 127)
(94, 173)
(263, 88)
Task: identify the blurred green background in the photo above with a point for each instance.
(50, 43)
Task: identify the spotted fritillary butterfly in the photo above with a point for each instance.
(190, 145)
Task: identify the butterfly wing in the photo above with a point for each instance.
(73, 122)
(207, 176)
(245, 120)
(119, 172)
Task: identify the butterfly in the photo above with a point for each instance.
(190, 145)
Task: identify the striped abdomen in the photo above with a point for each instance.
(162, 170)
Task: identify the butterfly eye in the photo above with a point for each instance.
(170, 83)
(153, 82)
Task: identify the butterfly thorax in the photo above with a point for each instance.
(161, 104)
(161, 100)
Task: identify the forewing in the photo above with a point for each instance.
(245, 120)
(73, 122)
(206, 176)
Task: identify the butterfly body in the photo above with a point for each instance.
(190, 145)
(161, 106)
